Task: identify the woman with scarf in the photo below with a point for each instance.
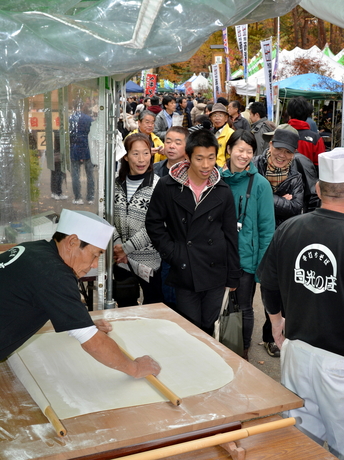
(276, 165)
(255, 219)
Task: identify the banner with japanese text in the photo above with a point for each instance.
(216, 80)
(151, 81)
(275, 74)
(242, 39)
(226, 49)
(238, 37)
(267, 59)
(225, 40)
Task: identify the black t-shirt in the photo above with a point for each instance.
(36, 286)
(305, 262)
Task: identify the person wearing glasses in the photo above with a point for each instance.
(146, 121)
(219, 118)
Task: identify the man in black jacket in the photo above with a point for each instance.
(191, 221)
(276, 164)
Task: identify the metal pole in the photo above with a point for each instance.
(110, 164)
(342, 136)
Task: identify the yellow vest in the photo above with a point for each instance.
(222, 140)
(157, 142)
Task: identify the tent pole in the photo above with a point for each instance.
(109, 185)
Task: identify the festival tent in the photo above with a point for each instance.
(327, 51)
(168, 86)
(132, 87)
(254, 64)
(310, 86)
(285, 57)
(340, 57)
(181, 87)
(200, 83)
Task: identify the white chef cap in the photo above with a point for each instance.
(89, 227)
(331, 166)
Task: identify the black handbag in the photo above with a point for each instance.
(228, 327)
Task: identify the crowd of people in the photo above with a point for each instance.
(209, 196)
(237, 202)
(271, 172)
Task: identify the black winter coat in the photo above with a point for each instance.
(284, 209)
(200, 243)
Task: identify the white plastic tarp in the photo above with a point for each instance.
(47, 45)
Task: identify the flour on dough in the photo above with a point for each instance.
(76, 384)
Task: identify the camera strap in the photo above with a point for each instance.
(248, 194)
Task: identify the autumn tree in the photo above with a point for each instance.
(307, 31)
(302, 65)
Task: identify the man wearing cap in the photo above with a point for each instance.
(276, 165)
(219, 118)
(302, 269)
(307, 170)
(39, 282)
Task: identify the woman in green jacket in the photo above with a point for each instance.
(255, 219)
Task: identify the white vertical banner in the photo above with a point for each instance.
(277, 49)
(226, 49)
(239, 37)
(228, 69)
(225, 40)
(216, 80)
(244, 38)
(267, 59)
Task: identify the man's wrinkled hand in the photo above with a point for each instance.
(103, 325)
(146, 366)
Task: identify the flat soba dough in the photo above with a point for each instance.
(76, 384)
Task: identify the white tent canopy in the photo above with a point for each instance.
(200, 83)
(250, 88)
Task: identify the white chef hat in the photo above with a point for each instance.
(89, 227)
(331, 166)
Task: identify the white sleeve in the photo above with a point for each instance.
(83, 334)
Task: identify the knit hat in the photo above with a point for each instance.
(88, 227)
(218, 107)
(331, 166)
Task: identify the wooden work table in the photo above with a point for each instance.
(26, 433)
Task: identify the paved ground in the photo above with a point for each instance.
(257, 355)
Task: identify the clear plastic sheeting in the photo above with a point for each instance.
(50, 149)
(14, 170)
(48, 44)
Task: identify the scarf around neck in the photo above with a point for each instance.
(274, 174)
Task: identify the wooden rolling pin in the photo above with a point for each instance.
(158, 385)
(36, 393)
(210, 441)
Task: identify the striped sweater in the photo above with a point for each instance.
(129, 222)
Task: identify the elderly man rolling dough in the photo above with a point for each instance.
(39, 282)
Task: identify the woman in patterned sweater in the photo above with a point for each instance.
(133, 250)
